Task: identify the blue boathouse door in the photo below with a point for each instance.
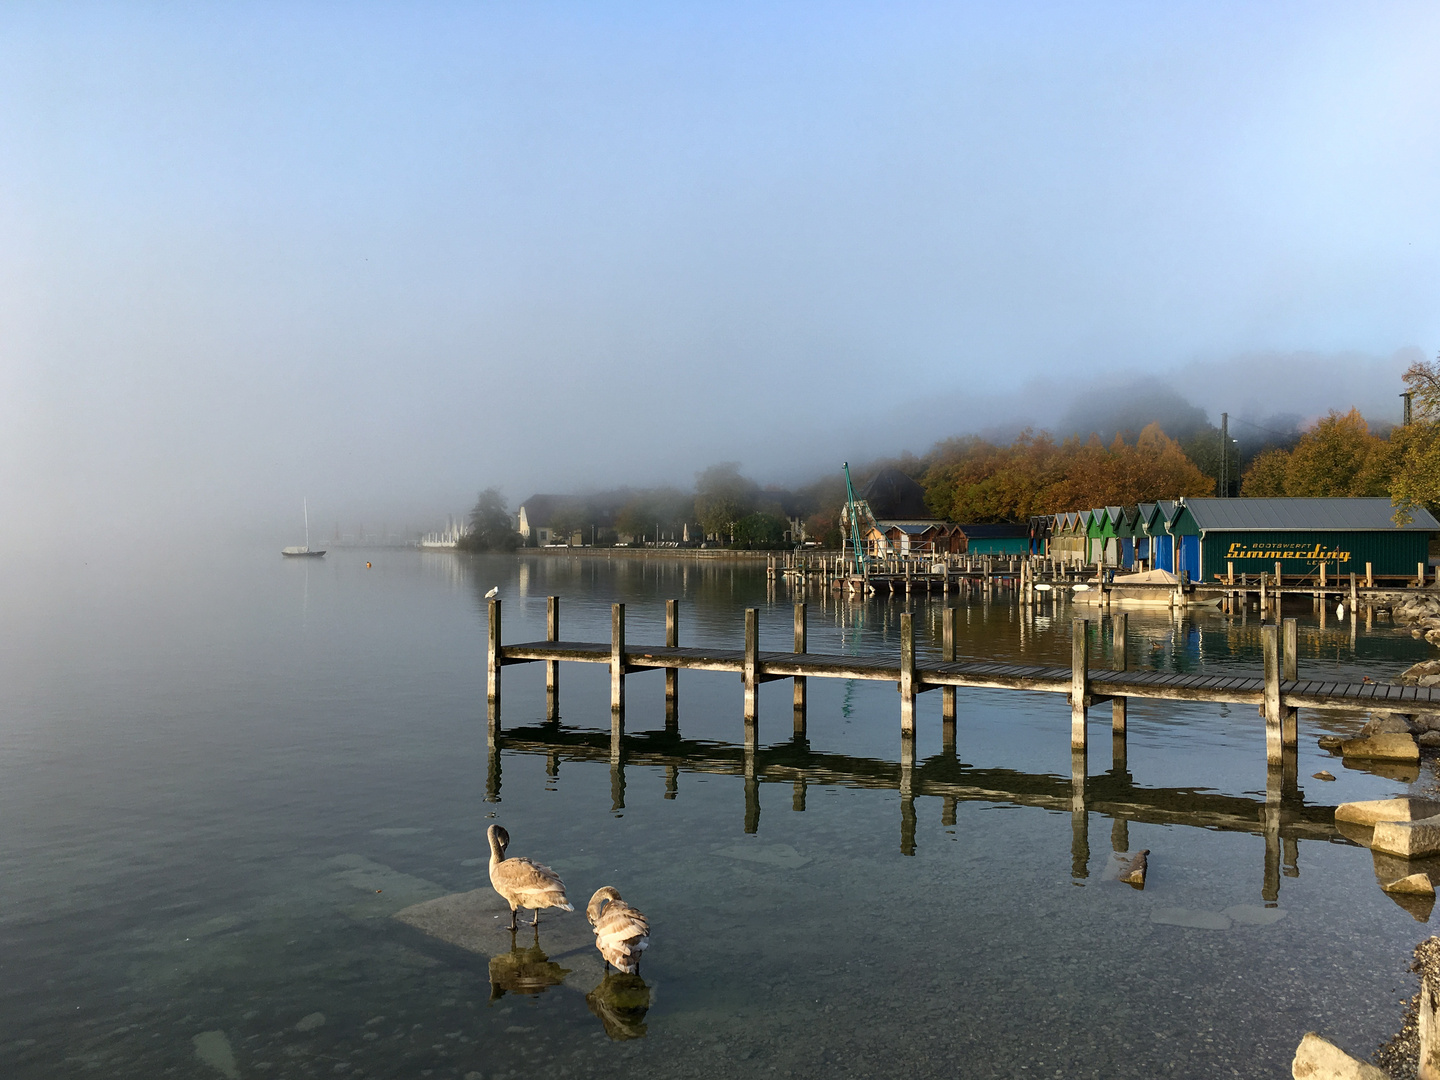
(1189, 561)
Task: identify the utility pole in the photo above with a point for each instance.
(1224, 455)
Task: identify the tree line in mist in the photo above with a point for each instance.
(973, 480)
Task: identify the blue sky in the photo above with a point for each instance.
(384, 255)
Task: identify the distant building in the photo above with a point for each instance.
(893, 519)
(537, 520)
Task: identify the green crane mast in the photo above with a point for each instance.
(852, 516)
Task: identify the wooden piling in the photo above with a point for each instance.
(907, 675)
(1079, 682)
(750, 671)
(1354, 595)
(672, 639)
(949, 631)
(552, 667)
(1369, 575)
(1289, 672)
(1120, 626)
(617, 659)
(1274, 738)
(800, 683)
(492, 665)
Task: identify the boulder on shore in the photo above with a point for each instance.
(1317, 1058)
(1390, 747)
(1418, 884)
(1411, 839)
(1374, 811)
(1386, 723)
(1412, 675)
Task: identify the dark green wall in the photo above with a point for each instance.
(1394, 553)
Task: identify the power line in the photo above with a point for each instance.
(1271, 431)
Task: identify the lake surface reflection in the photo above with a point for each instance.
(246, 804)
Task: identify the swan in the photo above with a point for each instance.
(522, 883)
(621, 932)
(493, 593)
(1339, 611)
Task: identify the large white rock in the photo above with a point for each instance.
(1411, 839)
(1318, 1058)
(1373, 811)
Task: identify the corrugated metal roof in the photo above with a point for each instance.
(992, 531)
(1308, 515)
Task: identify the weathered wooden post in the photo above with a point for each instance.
(800, 683)
(751, 670)
(492, 665)
(1079, 682)
(907, 675)
(1263, 607)
(1354, 595)
(1279, 578)
(949, 631)
(1230, 573)
(1322, 578)
(1274, 741)
(672, 639)
(1120, 627)
(1369, 575)
(617, 661)
(552, 667)
(1289, 672)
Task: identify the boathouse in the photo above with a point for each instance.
(995, 539)
(894, 519)
(1300, 534)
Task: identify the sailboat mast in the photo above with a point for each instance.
(306, 503)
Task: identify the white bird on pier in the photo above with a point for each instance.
(493, 593)
(621, 932)
(523, 883)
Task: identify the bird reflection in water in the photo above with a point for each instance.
(621, 1002)
(524, 970)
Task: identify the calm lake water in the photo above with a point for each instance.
(221, 778)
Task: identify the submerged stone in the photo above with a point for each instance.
(1187, 917)
(213, 1048)
(1255, 915)
(311, 1022)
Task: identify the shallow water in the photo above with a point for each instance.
(222, 778)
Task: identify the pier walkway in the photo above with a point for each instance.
(1278, 690)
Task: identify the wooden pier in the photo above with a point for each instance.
(1277, 690)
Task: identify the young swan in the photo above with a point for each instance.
(521, 882)
(621, 932)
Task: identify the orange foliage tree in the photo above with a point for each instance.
(973, 480)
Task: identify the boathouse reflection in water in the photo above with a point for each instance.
(1283, 817)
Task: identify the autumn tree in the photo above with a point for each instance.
(1338, 457)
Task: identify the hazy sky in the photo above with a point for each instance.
(385, 255)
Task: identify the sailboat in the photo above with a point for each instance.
(303, 552)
